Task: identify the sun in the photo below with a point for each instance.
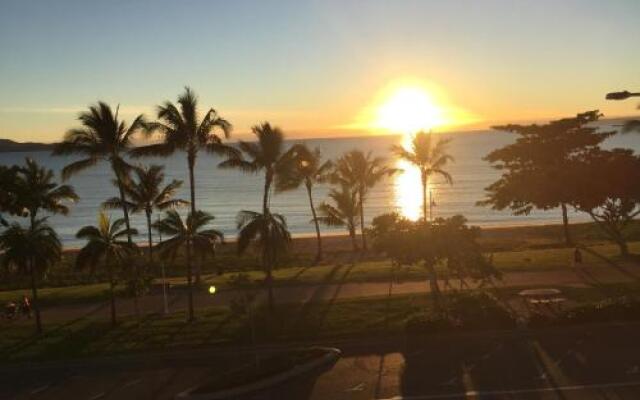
(407, 110)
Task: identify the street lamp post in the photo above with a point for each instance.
(623, 95)
(164, 277)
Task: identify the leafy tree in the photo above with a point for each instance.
(105, 242)
(182, 130)
(270, 234)
(429, 158)
(146, 192)
(608, 190)
(446, 241)
(102, 137)
(343, 211)
(190, 234)
(303, 166)
(31, 251)
(264, 155)
(360, 172)
(36, 190)
(537, 167)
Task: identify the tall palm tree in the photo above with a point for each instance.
(430, 158)
(31, 250)
(270, 233)
(302, 165)
(361, 172)
(264, 155)
(182, 130)
(189, 234)
(343, 212)
(105, 243)
(102, 137)
(146, 192)
(38, 191)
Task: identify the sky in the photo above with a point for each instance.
(314, 68)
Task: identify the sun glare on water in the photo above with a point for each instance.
(408, 110)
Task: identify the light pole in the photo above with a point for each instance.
(623, 95)
(164, 278)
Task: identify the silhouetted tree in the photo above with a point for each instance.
(430, 158)
(264, 155)
(30, 251)
(102, 137)
(8, 193)
(301, 165)
(343, 211)
(608, 191)
(445, 241)
(188, 234)
(360, 172)
(270, 234)
(105, 242)
(182, 130)
(146, 192)
(537, 167)
(36, 190)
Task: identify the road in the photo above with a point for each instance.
(587, 362)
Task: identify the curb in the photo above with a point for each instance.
(331, 357)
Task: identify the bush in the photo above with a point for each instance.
(463, 311)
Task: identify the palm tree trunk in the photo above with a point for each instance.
(112, 295)
(433, 284)
(189, 281)
(148, 213)
(34, 299)
(565, 224)
(191, 158)
(315, 221)
(354, 242)
(424, 196)
(125, 211)
(268, 177)
(123, 201)
(269, 272)
(364, 238)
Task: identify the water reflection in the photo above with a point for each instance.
(408, 188)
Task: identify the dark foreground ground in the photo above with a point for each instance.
(586, 362)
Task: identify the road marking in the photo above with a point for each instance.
(40, 389)
(97, 396)
(131, 383)
(357, 388)
(476, 393)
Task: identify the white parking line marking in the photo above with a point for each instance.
(131, 383)
(515, 391)
(97, 396)
(40, 389)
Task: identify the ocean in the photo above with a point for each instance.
(225, 192)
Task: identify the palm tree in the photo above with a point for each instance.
(31, 250)
(302, 165)
(265, 154)
(361, 172)
(343, 212)
(270, 233)
(105, 242)
(429, 158)
(182, 129)
(146, 192)
(190, 234)
(36, 190)
(8, 192)
(102, 137)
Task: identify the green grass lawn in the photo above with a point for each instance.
(358, 271)
(218, 326)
